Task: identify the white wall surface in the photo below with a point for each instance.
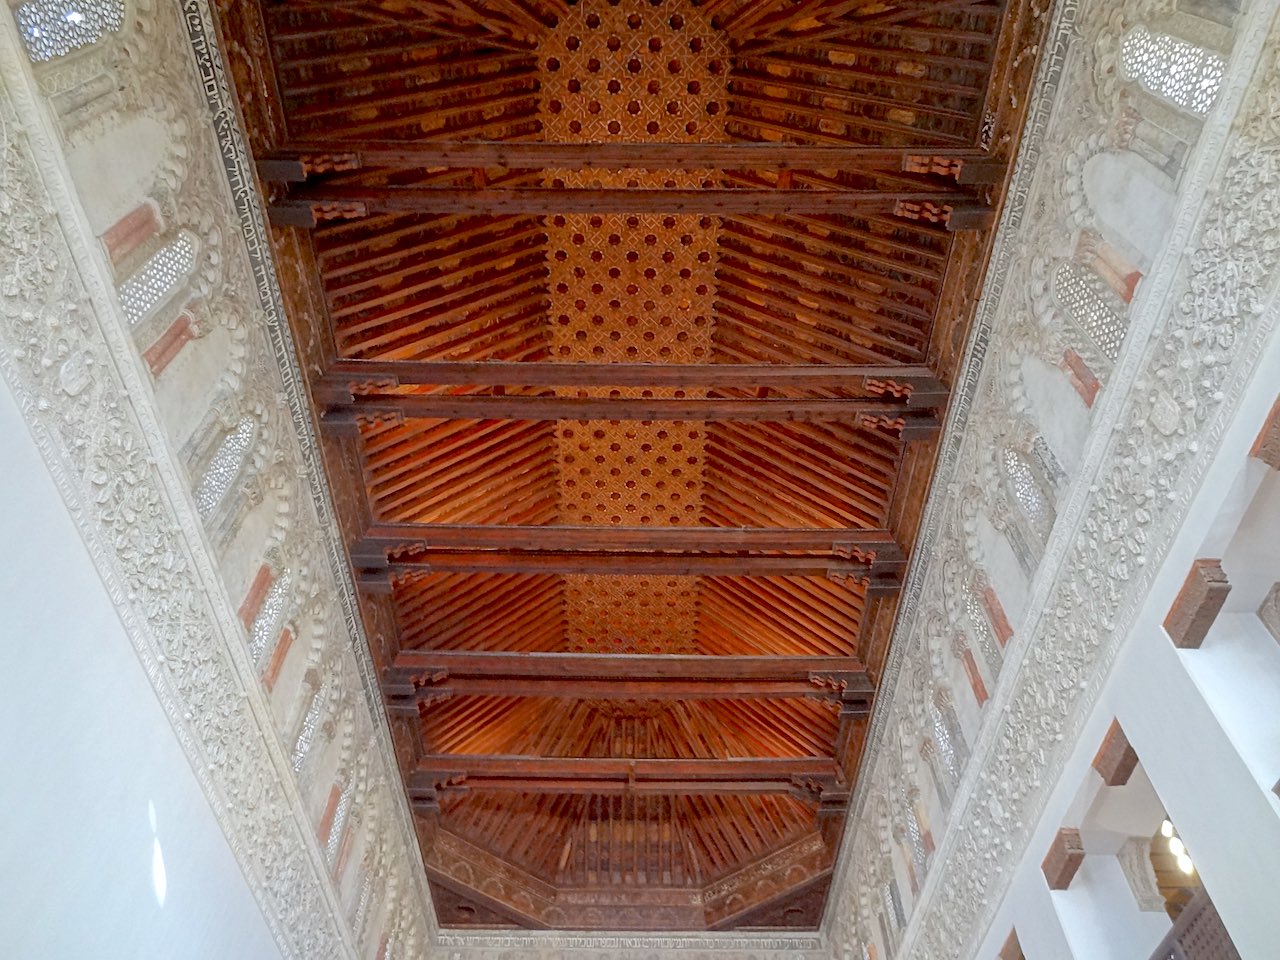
(88, 763)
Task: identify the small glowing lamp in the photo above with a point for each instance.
(1166, 829)
(1185, 864)
(1177, 847)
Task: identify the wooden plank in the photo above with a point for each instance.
(369, 407)
(532, 155)
(333, 201)
(381, 537)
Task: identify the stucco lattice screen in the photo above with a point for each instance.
(225, 467)
(1087, 308)
(266, 625)
(54, 28)
(159, 277)
(1174, 69)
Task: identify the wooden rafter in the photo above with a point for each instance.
(815, 20)
(454, 18)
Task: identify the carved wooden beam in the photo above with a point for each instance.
(379, 539)
(307, 205)
(619, 563)
(425, 675)
(306, 158)
(811, 778)
(897, 418)
(347, 378)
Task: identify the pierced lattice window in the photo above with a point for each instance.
(54, 28)
(1027, 491)
(944, 742)
(157, 279)
(339, 825)
(982, 632)
(310, 725)
(895, 903)
(362, 903)
(1186, 75)
(915, 838)
(266, 625)
(224, 468)
(1078, 295)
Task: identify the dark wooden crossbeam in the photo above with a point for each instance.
(918, 384)
(304, 159)
(426, 675)
(897, 417)
(568, 563)
(372, 548)
(311, 203)
(811, 777)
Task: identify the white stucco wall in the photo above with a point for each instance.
(89, 762)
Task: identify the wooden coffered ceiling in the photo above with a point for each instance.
(629, 327)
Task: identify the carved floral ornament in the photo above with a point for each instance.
(61, 340)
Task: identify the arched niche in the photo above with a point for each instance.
(1059, 413)
(118, 168)
(1133, 203)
